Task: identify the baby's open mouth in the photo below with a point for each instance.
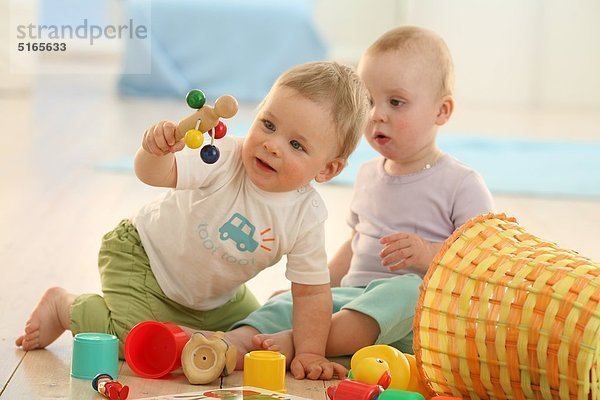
(380, 138)
(263, 165)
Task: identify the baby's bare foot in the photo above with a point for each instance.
(48, 320)
(282, 342)
(241, 338)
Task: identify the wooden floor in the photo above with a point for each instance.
(56, 204)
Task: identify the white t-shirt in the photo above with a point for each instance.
(217, 230)
(431, 203)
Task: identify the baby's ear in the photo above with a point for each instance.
(445, 110)
(332, 168)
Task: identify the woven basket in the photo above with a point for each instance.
(503, 314)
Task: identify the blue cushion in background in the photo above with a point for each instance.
(236, 47)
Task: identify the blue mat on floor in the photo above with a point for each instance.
(509, 166)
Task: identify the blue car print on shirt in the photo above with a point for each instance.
(240, 230)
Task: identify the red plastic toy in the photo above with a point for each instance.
(350, 389)
(109, 388)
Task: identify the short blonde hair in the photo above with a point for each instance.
(339, 87)
(422, 42)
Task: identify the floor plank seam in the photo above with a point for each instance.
(13, 374)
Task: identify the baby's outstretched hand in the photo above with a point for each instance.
(402, 250)
(161, 139)
(314, 366)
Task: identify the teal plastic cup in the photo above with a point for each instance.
(93, 354)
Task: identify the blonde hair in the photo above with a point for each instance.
(339, 87)
(424, 43)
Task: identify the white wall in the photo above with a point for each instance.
(571, 56)
(512, 53)
(350, 26)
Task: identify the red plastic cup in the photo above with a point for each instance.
(153, 349)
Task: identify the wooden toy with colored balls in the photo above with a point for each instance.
(206, 119)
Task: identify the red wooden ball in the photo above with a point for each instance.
(219, 131)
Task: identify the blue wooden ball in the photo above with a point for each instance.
(210, 154)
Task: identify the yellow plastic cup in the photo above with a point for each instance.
(265, 369)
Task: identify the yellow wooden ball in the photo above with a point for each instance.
(193, 139)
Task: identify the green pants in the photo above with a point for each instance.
(131, 294)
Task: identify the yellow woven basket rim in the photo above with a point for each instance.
(436, 260)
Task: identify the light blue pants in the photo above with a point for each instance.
(390, 301)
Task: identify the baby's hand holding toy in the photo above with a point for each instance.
(167, 137)
(160, 139)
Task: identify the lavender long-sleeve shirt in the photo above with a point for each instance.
(432, 203)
